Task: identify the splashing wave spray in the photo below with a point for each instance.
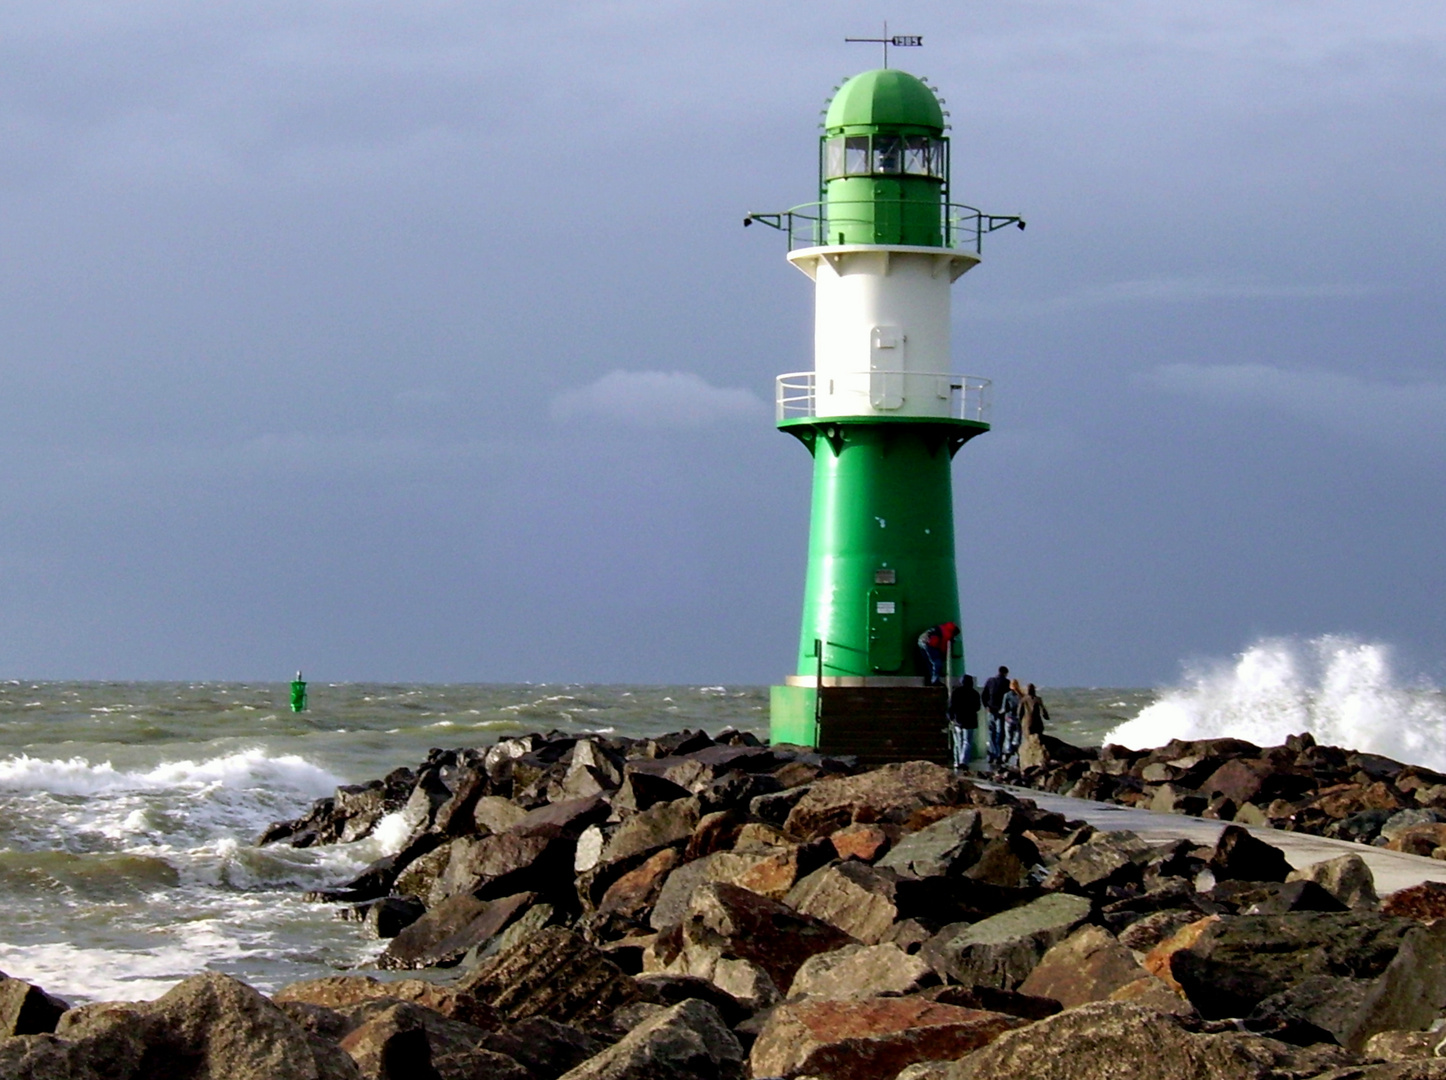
(1342, 690)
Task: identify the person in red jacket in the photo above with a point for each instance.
(932, 644)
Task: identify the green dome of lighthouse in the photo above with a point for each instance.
(886, 96)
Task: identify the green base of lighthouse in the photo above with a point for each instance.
(881, 569)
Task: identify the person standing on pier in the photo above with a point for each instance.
(963, 721)
(994, 690)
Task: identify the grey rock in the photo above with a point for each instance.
(1239, 961)
(861, 971)
(1346, 877)
(1002, 950)
(209, 1018)
(442, 936)
(25, 1009)
(946, 847)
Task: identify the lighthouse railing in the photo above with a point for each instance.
(852, 394)
(820, 224)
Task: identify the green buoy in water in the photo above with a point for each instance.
(298, 694)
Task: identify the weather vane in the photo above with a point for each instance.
(900, 41)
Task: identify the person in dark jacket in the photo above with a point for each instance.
(963, 721)
(933, 643)
(994, 690)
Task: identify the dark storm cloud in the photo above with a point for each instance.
(422, 341)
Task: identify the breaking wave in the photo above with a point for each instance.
(1344, 691)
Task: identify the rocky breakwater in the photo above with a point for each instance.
(1299, 786)
(689, 907)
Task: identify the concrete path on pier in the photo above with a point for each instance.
(1392, 870)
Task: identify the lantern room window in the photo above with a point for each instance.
(885, 155)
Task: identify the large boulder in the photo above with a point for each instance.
(869, 1038)
(1089, 965)
(553, 973)
(688, 1041)
(853, 896)
(442, 936)
(861, 971)
(1239, 856)
(944, 848)
(893, 794)
(207, 1026)
(1238, 961)
(1002, 950)
(1128, 1042)
(746, 926)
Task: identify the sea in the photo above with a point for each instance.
(129, 811)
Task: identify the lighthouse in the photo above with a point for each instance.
(882, 414)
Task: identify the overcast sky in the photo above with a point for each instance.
(422, 341)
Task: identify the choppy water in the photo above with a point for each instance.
(127, 810)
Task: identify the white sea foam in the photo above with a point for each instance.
(243, 770)
(1342, 690)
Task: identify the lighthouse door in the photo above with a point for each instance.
(885, 638)
(886, 367)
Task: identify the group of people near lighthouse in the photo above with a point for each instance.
(1015, 710)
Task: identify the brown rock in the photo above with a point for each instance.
(868, 1039)
(1157, 960)
(1089, 965)
(496, 814)
(863, 842)
(1425, 901)
(853, 896)
(1153, 993)
(1420, 839)
(892, 793)
(756, 834)
(747, 926)
(1127, 1042)
(718, 831)
(768, 872)
(631, 896)
(507, 863)
(554, 973)
(1239, 779)
(393, 1043)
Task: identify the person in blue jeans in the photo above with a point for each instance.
(963, 721)
(994, 690)
(933, 643)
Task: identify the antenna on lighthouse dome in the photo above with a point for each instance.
(899, 41)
